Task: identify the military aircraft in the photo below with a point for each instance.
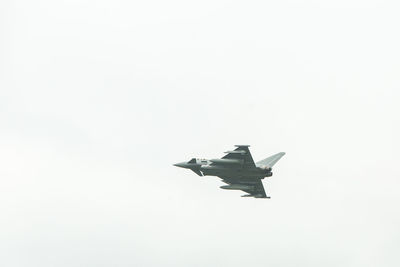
(237, 169)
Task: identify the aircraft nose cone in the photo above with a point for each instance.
(181, 164)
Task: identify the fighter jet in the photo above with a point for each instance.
(237, 169)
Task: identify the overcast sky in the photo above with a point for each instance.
(99, 98)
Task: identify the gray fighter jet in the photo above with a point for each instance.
(237, 169)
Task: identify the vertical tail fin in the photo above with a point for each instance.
(270, 161)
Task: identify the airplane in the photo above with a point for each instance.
(237, 169)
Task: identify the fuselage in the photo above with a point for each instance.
(225, 168)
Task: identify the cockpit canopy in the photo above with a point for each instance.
(193, 160)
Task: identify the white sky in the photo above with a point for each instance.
(99, 98)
